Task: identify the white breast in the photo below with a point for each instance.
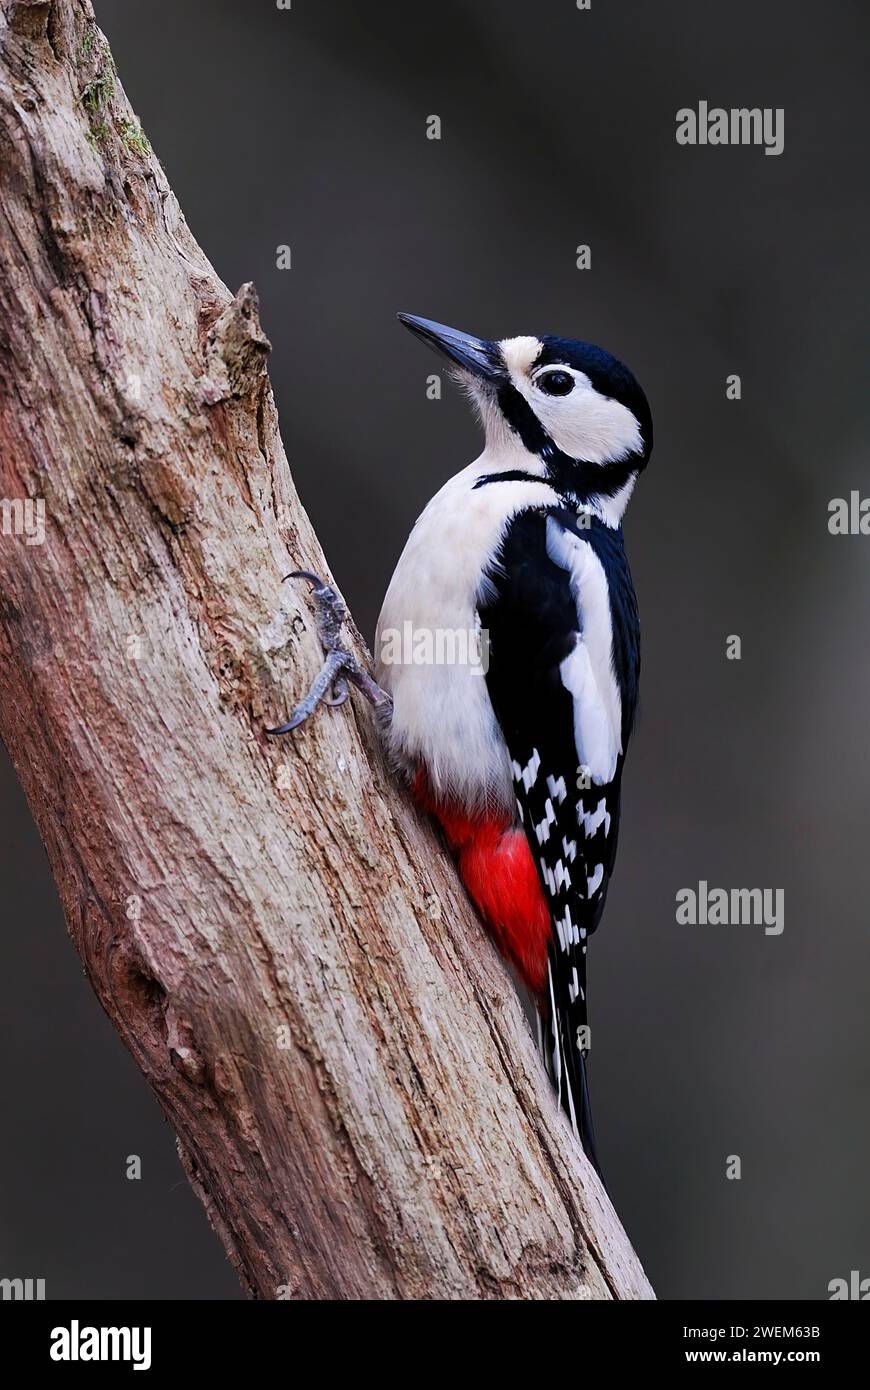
(442, 713)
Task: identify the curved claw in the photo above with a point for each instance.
(292, 723)
(328, 684)
(330, 687)
(340, 693)
(314, 579)
(330, 610)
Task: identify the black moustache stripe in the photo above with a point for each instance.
(570, 477)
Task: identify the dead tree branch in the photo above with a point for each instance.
(277, 937)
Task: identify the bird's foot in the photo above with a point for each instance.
(340, 666)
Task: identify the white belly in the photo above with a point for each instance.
(442, 715)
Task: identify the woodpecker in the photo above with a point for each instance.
(518, 753)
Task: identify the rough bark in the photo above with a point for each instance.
(278, 938)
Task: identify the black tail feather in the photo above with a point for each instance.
(564, 1047)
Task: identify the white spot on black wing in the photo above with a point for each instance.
(557, 789)
(591, 820)
(594, 882)
(528, 774)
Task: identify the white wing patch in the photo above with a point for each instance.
(587, 672)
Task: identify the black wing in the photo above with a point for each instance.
(566, 729)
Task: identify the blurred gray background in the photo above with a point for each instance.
(307, 128)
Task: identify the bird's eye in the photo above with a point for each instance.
(556, 383)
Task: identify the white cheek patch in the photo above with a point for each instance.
(586, 425)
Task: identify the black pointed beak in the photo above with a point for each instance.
(472, 354)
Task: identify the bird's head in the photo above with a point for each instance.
(576, 409)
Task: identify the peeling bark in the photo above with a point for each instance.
(279, 940)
